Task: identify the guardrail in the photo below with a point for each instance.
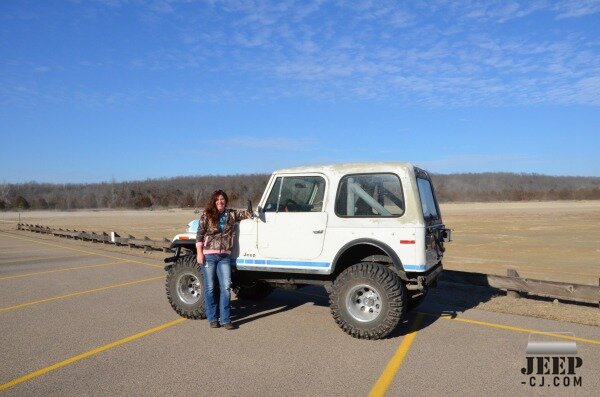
(515, 285)
(106, 238)
(512, 283)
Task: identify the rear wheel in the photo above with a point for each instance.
(368, 300)
(185, 288)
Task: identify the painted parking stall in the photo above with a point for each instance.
(110, 341)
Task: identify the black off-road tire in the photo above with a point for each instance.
(253, 290)
(185, 288)
(368, 280)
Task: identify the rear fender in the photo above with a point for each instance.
(389, 252)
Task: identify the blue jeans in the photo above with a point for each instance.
(217, 267)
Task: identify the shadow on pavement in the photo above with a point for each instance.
(446, 300)
(279, 301)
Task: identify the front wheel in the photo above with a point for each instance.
(368, 301)
(185, 288)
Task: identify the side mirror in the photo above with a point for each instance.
(249, 207)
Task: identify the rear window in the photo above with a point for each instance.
(370, 195)
(428, 202)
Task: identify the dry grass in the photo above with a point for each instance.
(139, 223)
(556, 241)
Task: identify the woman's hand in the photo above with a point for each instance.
(200, 259)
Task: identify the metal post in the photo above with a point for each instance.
(350, 197)
(511, 293)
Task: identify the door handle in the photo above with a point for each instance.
(318, 231)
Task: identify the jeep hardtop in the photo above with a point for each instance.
(371, 234)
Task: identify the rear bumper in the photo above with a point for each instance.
(433, 274)
(421, 281)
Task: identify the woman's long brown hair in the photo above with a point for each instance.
(211, 210)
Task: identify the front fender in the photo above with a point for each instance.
(188, 243)
(176, 246)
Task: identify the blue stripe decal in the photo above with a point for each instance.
(420, 268)
(276, 262)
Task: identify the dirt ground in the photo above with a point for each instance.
(556, 241)
(493, 300)
(139, 223)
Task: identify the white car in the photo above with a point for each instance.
(371, 234)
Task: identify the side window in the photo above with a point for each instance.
(370, 195)
(271, 204)
(297, 194)
(428, 202)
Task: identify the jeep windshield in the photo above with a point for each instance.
(431, 212)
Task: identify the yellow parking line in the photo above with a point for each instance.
(26, 250)
(386, 378)
(511, 328)
(41, 258)
(3, 309)
(87, 354)
(78, 250)
(492, 325)
(60, 270)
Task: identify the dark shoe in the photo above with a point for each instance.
(214, 324)
(229, 326)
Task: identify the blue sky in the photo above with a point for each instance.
(100, 89)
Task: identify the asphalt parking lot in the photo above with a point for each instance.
(79, 320)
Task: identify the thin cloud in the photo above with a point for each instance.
(333, 51)
(255, 142)
(576, 9)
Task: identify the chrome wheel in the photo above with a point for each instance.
(189, 289)
(363, 303)
(368, 300)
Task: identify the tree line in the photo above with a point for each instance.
(504, 186)
(194, 191)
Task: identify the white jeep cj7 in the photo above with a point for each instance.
(371, 234)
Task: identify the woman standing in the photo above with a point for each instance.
(214, 241)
